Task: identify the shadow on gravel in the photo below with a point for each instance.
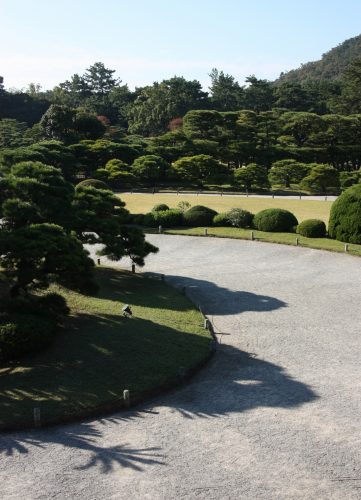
(237, 382)
(221, 301)
(234, 382)
(84, 437)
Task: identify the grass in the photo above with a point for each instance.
(99, 353)
(282, 238)
(303, 209)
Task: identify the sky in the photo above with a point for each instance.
(46, 41)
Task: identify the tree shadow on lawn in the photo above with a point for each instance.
(216, 300)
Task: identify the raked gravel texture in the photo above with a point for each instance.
(275, 415)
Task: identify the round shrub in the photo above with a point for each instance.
(312, 228)
(96, 183)
(160, 207)
(240, 218)
(25, 334)
(221, 220)
(199, 216)
(275, 220)
(345, 217)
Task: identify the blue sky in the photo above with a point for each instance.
(46, 41)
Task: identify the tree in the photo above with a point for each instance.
(285, 172)
(196, 168)
(258, 96)
(291, 96)
(321, 179)
(350, 100)
(158, 104)
(100, 218)
(226, 93)
(12, 133)
(99, 79)
(202, 124)
(252, 176)
(35, 255)
(149, 168)
(58, 123)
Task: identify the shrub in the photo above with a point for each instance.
(160, 207)
(169, 218)
(25, 334)
(221, 220)
(275, 220)
(312, 228)
(96, 183)
(199, 216)
(184, 205)
(345, 217)
(149, 219)
(51, 305)
(240, 218)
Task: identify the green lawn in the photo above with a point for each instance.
(99, 353)
(303, 209)
(283, 238)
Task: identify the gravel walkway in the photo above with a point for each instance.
(275, 415)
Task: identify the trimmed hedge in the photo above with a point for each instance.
(221, 220)
(161, 207)
(199, 216)
(166, 218)
(240, 218)
(312, 228)
(96, 183)
(345, 216)
(275, 220)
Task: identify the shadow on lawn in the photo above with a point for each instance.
(216, 300)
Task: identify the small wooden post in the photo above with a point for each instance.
(252, 235)
(205, 231)
(206, 324)
(297, 242)
(126, 397)
(160, 229)
(37, 417)
(346, 247)
(98, 260)
(133, 268)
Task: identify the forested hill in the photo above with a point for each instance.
(331, 66)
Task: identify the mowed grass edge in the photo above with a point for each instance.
(279, 238)
(98, 353)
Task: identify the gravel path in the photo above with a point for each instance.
(275, 415)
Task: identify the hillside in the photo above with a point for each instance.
(330, 67)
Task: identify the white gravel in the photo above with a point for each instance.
(275, 415)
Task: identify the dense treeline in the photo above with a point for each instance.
(174, 132)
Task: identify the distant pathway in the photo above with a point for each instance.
(230, 195)
(275, 415)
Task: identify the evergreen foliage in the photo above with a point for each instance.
(275, 220)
